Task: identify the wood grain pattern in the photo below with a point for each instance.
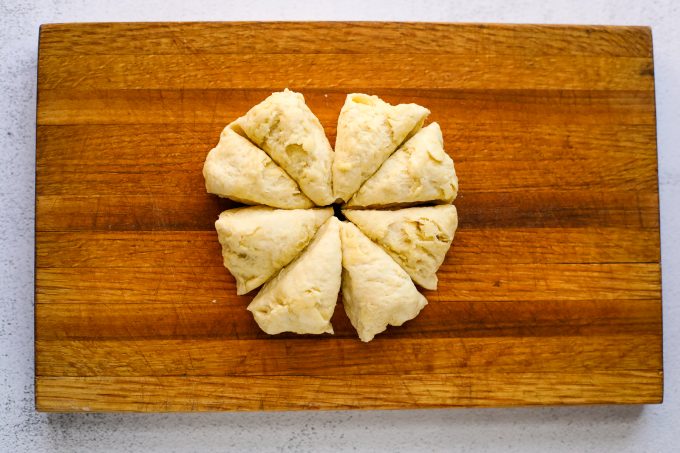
(187, 108)
(90, 318)
(341, 356)
(305, 71)
(459, 283)
(294, 37)
(197, 249)
(538, 208)
(235, 393)
(551, 293)
(106, 159)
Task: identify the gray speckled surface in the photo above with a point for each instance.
(605, 428)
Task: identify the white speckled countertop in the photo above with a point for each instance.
(604, 428)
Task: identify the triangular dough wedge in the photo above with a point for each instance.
(241, 171)
(286, 129)
(417, 238)
(369, 130)
(258, 241)
(376, 291)
(417, 172)
(302, 297)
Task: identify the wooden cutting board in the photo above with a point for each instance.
(549, 295)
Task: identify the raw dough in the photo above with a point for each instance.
(376, 291)
(241, 171)
(417, 238)
(286, 129)
(277, 155)
(417, 172)
(302, 297)
(369, 130)
(258, 241)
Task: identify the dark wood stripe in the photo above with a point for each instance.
(343, 37)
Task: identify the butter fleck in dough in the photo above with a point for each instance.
(238, 170)
(302, 297)
(420, 171)
(286, 129)
(376, 291)
(416, 238)
(258, 241)
(369, 130)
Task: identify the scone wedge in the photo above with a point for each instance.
(419, 171)
(287, 130)
(416, 238)
(376, 291)
(302, 297)
(258, 241)
(238, 170)
(369, 130)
